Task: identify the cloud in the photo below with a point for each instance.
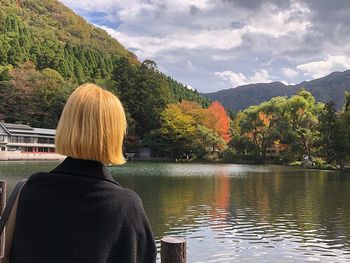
(190, 39)
(190, 87)
(154, 26)
(132, 10)
(257, 4)
(236, 79)
(239, 79)
(149, 46)
(189, 65)
(317, 69)
(282, 22)
(290, 73)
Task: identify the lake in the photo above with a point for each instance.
(237, 213)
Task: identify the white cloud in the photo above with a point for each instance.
(239, 79)
(261, 76)
(129, 10)
(281, 22)
(236, 79)
(149, 46)
(190, 87)
(317, 69)
(105, 5)
(290, 73)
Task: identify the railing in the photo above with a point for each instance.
(172, 250)
(3, 188)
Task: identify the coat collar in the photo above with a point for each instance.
(87, 168)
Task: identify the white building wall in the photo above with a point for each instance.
(17, 155)
(2, 131)
(6, 154)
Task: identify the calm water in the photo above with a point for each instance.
(237, 213)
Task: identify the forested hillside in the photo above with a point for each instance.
(46, 51)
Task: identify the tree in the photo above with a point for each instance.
(347, 101)
(33, 97)
(222, 121)
(50, 93)
(152, 95)
(258, 129)
(176, 134)
(342, 132)
(201, 115)
(208, 139)
(328, 128)
(207, 120)
(301, 113)
(286, 124)
(184, 131)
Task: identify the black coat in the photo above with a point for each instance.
(78, 213)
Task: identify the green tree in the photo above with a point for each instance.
(328, 128)
(176, 134)
(286, 124)
(152, 94)
(342, 134)
(258, 129)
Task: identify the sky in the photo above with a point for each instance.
(211, 45)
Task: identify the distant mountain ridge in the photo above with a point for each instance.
(325, 89)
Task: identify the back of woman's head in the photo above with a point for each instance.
(92, 126)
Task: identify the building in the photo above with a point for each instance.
(22, 142)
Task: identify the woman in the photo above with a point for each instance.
(77, 212)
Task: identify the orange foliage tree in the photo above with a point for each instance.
(221, 121)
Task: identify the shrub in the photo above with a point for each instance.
(229, 155)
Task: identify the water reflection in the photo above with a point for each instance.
(13, 171)
(238, 213)
(231, 213)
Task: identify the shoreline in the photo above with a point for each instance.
(240, 162)
(197, 161)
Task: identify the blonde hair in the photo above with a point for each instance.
(92, 126)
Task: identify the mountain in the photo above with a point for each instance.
(50, 21)
(325, 89)
(51, 35)
(330, 87)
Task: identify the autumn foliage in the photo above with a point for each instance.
(188, 128)
(265, 118)
(221, 120)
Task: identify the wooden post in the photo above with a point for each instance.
(2, 207)
(173, 250)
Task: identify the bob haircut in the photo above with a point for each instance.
(92, 126)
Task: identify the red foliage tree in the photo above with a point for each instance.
(222, 120)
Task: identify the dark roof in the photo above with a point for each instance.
(22, 129)
(17, 126)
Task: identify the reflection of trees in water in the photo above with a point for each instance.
(221, 194)
(314, 201)
(171, 202)
(297, 202)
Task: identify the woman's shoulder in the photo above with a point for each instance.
(38, 176)
(114, 186)
(111, 189)
(134, 210)
(131, 196)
